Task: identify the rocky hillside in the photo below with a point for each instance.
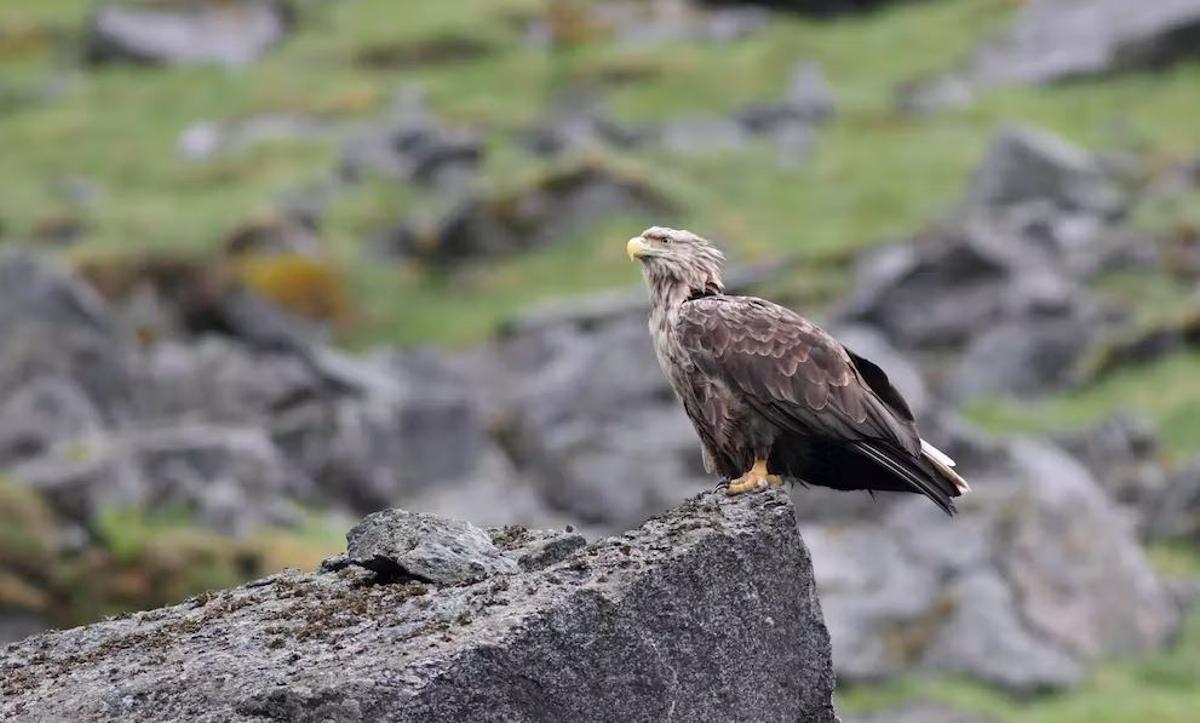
(427, 619)
(267, 267)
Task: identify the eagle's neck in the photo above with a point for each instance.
(666, 301)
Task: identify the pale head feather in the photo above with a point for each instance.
(673, 259)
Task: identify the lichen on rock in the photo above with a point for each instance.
(706, 612)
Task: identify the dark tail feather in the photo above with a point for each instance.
(918, 475)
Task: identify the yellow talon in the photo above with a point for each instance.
(754, 480)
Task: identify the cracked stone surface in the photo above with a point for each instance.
(708, 612)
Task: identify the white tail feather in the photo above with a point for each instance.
(944, 464)
(936, 453)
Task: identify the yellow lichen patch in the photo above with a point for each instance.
(307, 286)
(573, 23)
(22, 37)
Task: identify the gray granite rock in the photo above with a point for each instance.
(708, 612)
(412, 545)
(536, 549)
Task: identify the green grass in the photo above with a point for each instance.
(1152, 299)
(458, 308)
(138, 560)
(1166, 391)
(877, 173)
(1163, 687)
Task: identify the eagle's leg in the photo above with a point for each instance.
(756, 479)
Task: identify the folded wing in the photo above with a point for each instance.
(805, 382)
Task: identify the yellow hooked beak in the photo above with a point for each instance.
(636, 248)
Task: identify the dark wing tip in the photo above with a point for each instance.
(916, 475)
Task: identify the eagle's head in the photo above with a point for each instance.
(675, 259)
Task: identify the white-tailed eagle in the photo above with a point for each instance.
(772, 395)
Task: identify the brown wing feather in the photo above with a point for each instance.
(792, 371)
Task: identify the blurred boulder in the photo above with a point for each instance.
(172, 32)
(701, 134)
(986, 639)
(1123, 454)
(929, 96)
(1054, 40)
(262, 293)
(789, 122)
(735, 23)
(262, 323)
(37, 289)
(53, 325)
(410, 146)
(1025, 164)
(581, 122)
(40, 413)
(626, 629)
(1038, 576)
(228, 479)
(93, 416)
(808, 100)
(1073, 562)
(222, 381)
(582, 402)
(578, 122)
(1061, 40)
(408, 428)
(1174, 514)
(205, 139)
(999, 283)
(1036, 353)
(529, 217)
(946, 287)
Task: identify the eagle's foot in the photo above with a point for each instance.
(722, 484)
(754, 480)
